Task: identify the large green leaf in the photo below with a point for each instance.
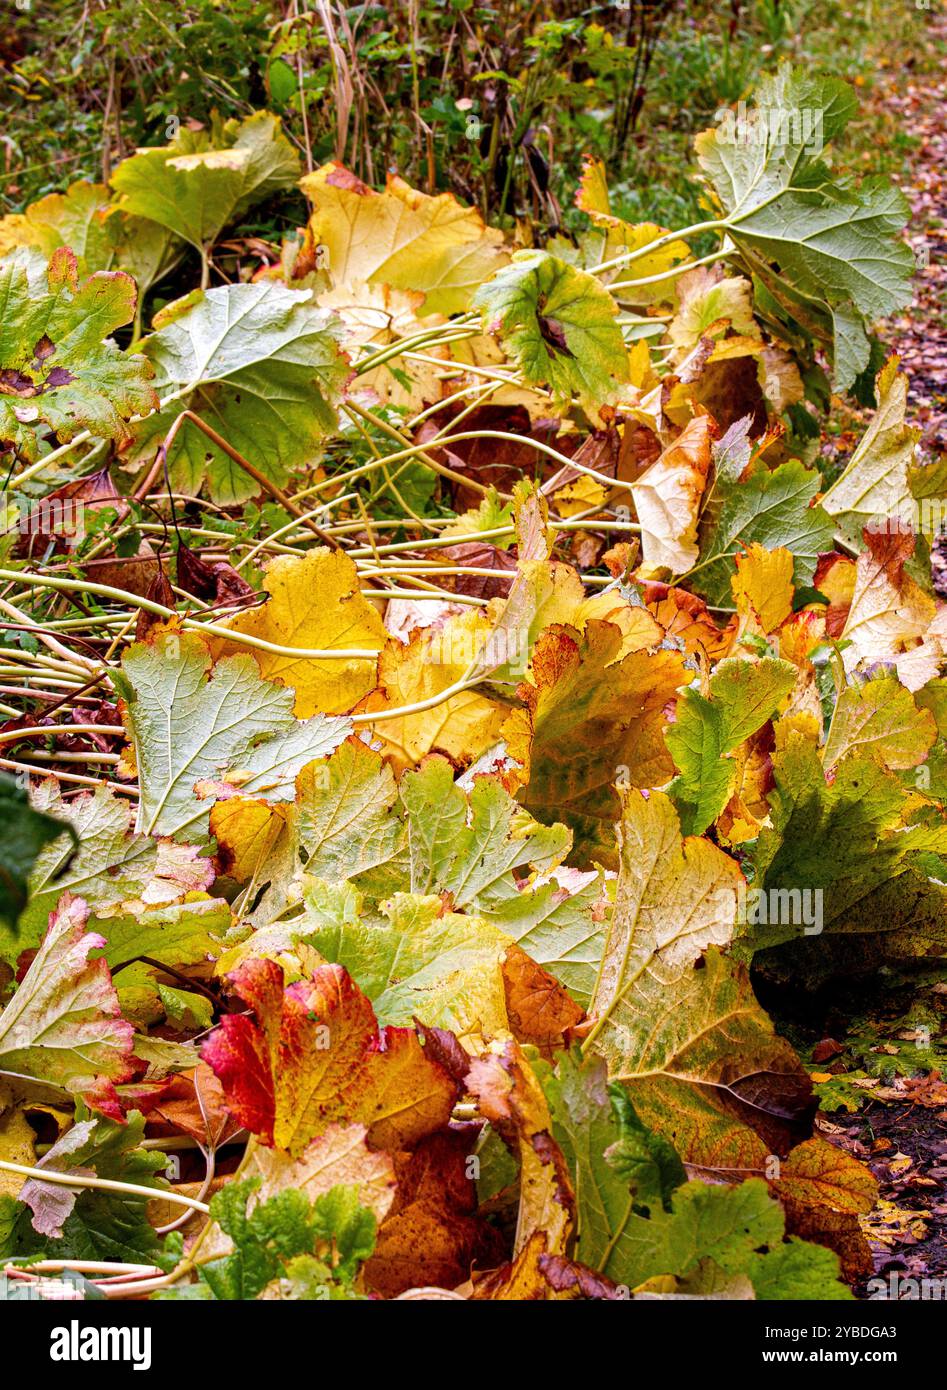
(345, 824)
(559, 325)
(470, 848)
(828, 252)
(191, 725)
(772, 508)
(417, 961)
(204, 180)
(59, 368)
(735, 1231)
(180, 934)
(262, 365)
(618, 1164)
(792, 115)
(740, 699)
(675, 1019)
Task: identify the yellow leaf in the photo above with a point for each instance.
(255, 848)
(762, 588)
(314, 603)
(579, 496)
(465, 725)
(376, 316)
(620, 237)
(882, 719)
(17, 1145)
(639, 628)
(592, 193)
(807, 727)
(401, 237)
(640, 373)
(799, 634)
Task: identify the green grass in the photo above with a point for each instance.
(698, 67)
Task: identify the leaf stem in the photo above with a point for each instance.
(129, 1189)
(626, 258)
(218, 630)
(667, 274)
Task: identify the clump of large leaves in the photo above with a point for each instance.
(453, 915)
(384, 895)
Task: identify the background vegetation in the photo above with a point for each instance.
(495, 102)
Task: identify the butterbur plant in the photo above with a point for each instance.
(471, 699)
